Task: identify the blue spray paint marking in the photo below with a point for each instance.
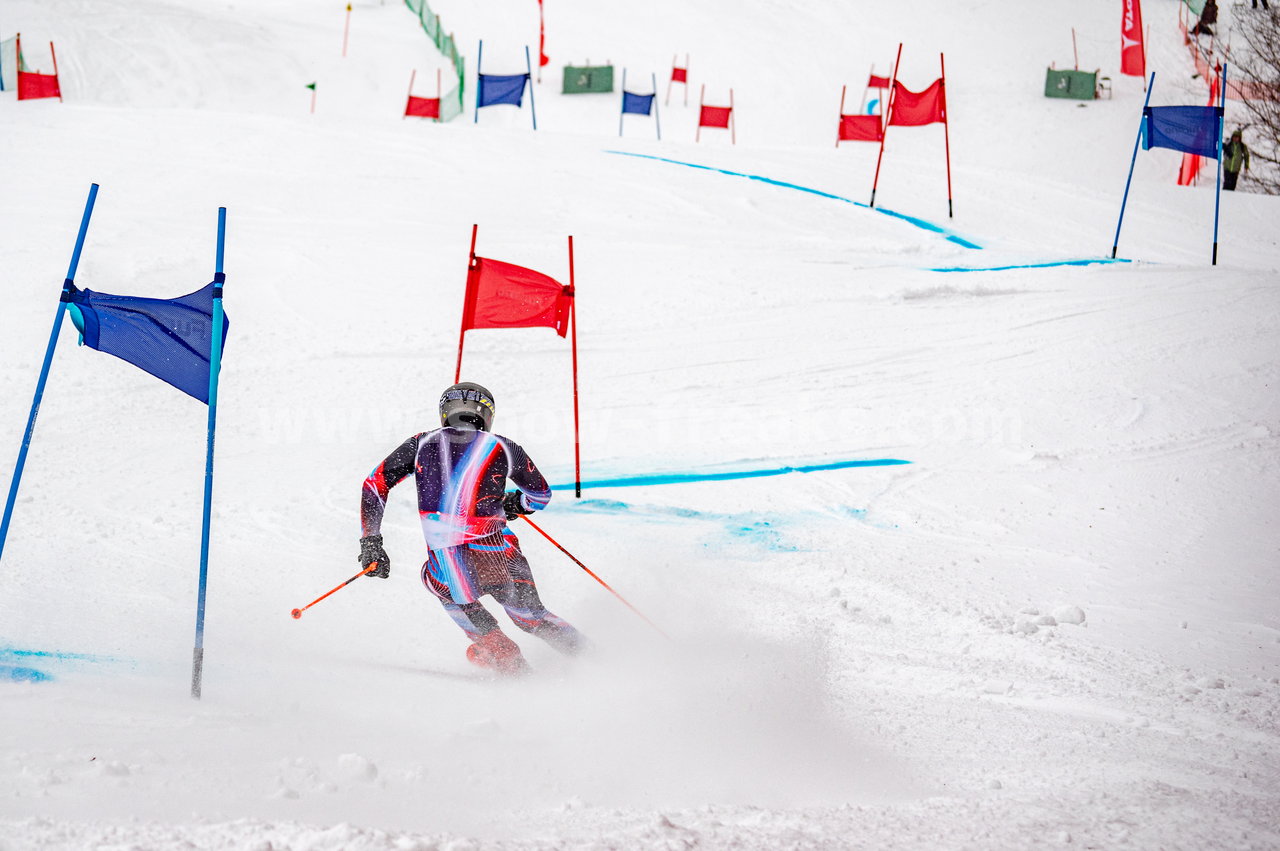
(16, 664)
(19, 674)
(920, 223)
(685, 478)
(1086, 262)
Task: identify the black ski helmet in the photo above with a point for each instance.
(467, 406)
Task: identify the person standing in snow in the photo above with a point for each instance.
(1208, 17)
(461, 471)
(1235, 157)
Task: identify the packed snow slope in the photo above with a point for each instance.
(1056, 625)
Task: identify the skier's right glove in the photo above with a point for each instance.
(370, 551)
(513, 506)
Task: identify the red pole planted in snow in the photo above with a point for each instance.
(457, 373)
(412, 76)
(888, 113)
(946, 131)
(841, 120)
(55, 71)
(697, 134)
(1074, 50)
(346, 28)
(686, 79)
(733, 120)
(573, 327)
(672, 80)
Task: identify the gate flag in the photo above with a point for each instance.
(504, 295)
(169, 338)
(913, 109)
(1133, 53)
(1190, 129)
(504, 88)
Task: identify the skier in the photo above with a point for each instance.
(461, 469)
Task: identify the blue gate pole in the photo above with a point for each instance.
(1222, 130)
(656, 122)
(533, 108)
(1115, 245)
(215, 366)
(479, 81)
(63, 301)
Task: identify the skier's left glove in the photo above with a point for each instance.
(513, 506)
(370, 551)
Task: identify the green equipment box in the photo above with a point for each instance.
(1078, 85)
(587, 79)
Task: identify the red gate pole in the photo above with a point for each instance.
(412, 75)
(888, 113)
(697, 134)
(457, 373)
(346, 28)
(439, 98)
(573, 327)
(841, 119)
(55, 71)
(946, 131)
(733, 121)
(672, 80)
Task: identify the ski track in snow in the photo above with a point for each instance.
(1054, 627)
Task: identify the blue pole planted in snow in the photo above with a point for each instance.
(1222, 130)
(1115, 245)
(479, 81)
(215, 366)
(63, 301)
(528, 65)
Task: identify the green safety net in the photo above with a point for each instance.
(1196, 6)
(1065, 83)
(451, 103)
(587, 78)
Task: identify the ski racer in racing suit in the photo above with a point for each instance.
(460, 471)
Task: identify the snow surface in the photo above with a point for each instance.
(1056, 627)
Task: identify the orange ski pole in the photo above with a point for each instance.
(589, 573)
(297, 613)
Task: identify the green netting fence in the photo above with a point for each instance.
(450, 101)
(1196, 6)
(10, 62)
(1065, 83)
(580, 79)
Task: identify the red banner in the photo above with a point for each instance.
(861, 128)
(503, 295)
(543, 58)
(714, 116)
(32, 86)
(680, 75)
(912, 109)
(1133, 55)
(878, 82)
(423, 107)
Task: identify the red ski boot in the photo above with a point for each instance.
(495, 651)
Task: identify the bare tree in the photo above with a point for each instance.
(1257, 66)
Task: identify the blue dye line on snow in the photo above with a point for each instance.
(20, 674)
(920, 223)
(685, 478)
(17, 665)
(1085, 262)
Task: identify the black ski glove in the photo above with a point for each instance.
(512, 505)
(370, 551)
